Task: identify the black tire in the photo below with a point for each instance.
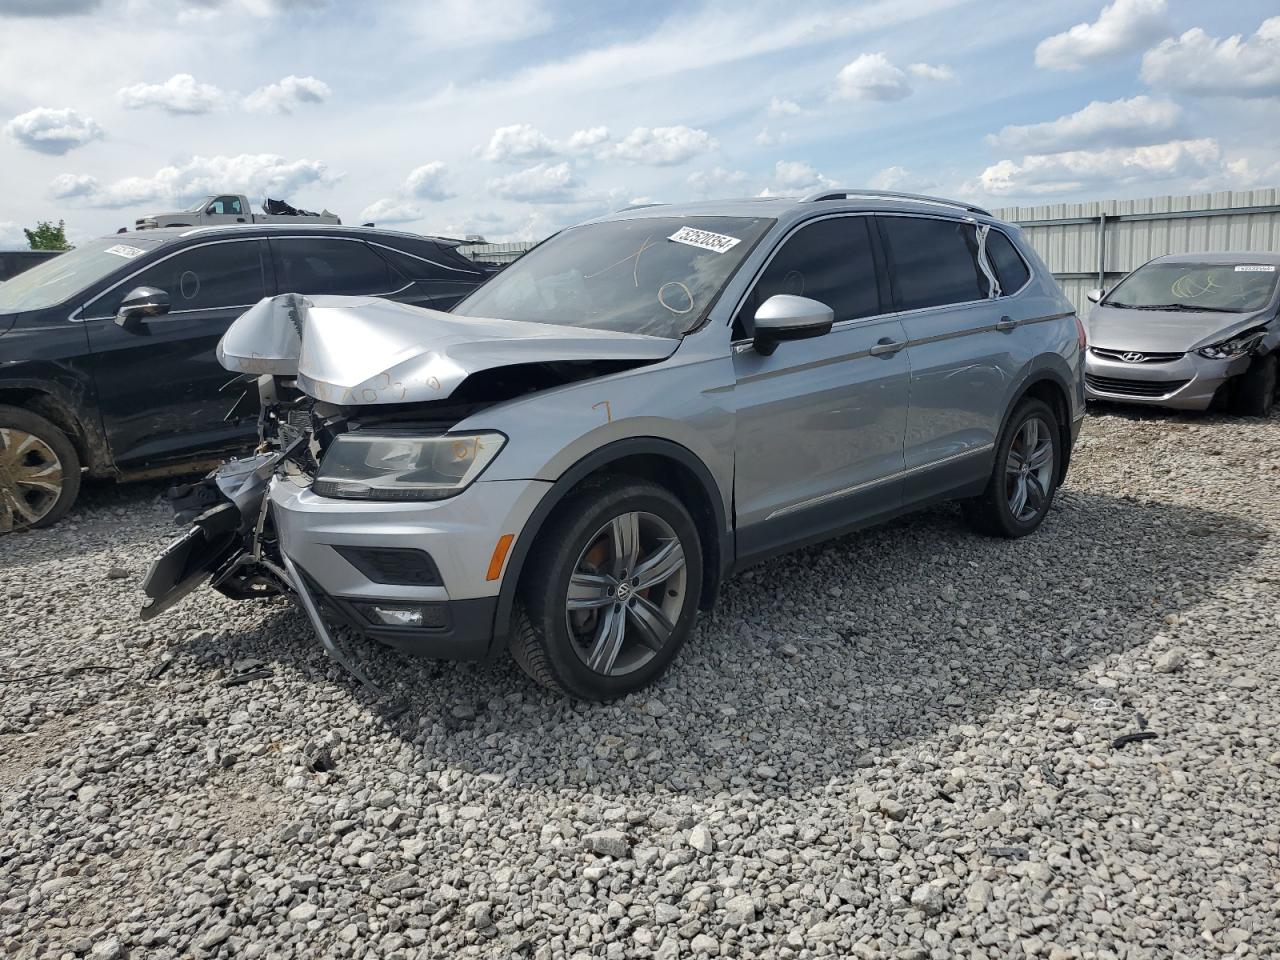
(1255, 393)
(19, 501)
(542, 642)
(991, 513)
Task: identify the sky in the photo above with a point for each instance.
(513, 118)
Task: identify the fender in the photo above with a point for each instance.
(67, 397)
(591, 463)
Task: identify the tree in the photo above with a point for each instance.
(48, 237)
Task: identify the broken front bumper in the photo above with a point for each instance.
(1186, 382)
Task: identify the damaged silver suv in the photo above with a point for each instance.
(571, 462)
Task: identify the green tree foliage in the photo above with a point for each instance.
(48, 237)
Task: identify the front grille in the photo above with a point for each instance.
(401, 566)
(1146, 357)
(1134, 388)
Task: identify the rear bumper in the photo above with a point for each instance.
(1188, 383)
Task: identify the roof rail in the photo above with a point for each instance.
(641, 206)
(890, 195)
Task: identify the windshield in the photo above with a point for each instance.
(199, 206)
(1216, 287)
(67, 274)
(624, 275)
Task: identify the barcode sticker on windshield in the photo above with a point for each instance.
(1256, 268)
(716, 242)
(126, 251)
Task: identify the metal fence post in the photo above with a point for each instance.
(1102, 251)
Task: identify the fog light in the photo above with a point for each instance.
(425, 615)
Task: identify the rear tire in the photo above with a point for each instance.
(39, 471)
(1255, 394)
(610, 591)
(1024, 476)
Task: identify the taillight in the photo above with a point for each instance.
(1081, 337)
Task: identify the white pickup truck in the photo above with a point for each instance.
(233, 208)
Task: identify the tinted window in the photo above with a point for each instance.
(329, 265)
(1011, 270)
(934, 261)
(830, 261)
(202, 278)
(426, 261)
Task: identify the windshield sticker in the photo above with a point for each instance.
(715, 242)
(1256, 268)
(126, 251)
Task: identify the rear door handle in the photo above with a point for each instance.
(1007, 323)
(886, 346)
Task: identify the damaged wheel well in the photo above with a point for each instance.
(88, 443)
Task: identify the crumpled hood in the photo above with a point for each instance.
(363, 350)
(1164, 331)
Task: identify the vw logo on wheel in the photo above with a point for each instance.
(1133, 357)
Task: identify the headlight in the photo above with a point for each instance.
(390, 467)
(1237, 346)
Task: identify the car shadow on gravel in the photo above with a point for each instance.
(816, 664)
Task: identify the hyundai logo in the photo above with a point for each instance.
(1133, 357)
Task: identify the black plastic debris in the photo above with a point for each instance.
(1128, 738)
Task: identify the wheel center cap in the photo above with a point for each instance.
(624, 591)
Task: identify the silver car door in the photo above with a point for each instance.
(820, 422)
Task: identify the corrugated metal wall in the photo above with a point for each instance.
(1069, 238)
(494, 252)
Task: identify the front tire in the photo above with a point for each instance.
(1024, 477)
(39, 471)
(611, 590)
(1255, 394)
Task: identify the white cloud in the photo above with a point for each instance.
(717, 180)
(451, 24)
(1118, 123)
(871, 77)
(589, 139)
(517, 143)
(779, 107)
(180, 94)
(427, 182)
(662, 146)
(47, 8)
(767, 138)
(256, 175)
(287, 95)
(1078, 170)
(390, 210)
(12, 237)
(795, 177)
(1201, 65)
(67, 186)
(1123, 26)
(890, 178)
(541, 183)
(48, 130)
(935, 72)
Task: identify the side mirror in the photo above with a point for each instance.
(1096, 294)
(787, 317)
(141, 302)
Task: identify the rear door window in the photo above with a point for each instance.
(1011, 270)
(831, 261)
(933, 262)
(320, 265)
(209, 277)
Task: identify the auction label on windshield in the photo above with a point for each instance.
(1256, 268)
(717, 242)
(126, 251)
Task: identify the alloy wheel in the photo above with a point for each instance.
(1029, 469)
(30, 479)
(626, 593)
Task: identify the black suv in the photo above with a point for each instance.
(107, 352)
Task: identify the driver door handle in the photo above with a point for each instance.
(887, 346)
(1007, 323)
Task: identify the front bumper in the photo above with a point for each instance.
(459, 534)
(1189, 382)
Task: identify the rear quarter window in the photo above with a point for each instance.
(1011, 270)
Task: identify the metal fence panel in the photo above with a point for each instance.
(1093, 244)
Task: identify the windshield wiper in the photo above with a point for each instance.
(1176, 307)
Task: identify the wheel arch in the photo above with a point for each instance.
(52, 403)
(663, 462)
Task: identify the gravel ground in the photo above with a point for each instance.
(900, 744)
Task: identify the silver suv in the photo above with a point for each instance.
(570, 463)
